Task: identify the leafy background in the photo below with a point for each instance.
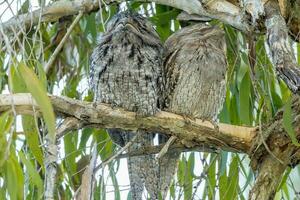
(249, 101)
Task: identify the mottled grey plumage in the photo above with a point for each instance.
(126, 71)
(195, 67)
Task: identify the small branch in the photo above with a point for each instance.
(278, 142)
(269, 176)
(128, 144)
(218, 9)
(87, 183)
(51, 155)
(62, 42)
(50, 13)
(70, 123)
(164, 150)
(229, 137)
(148, 150)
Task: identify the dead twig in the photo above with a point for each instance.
(62, 42)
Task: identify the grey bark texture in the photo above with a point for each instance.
(281, 52)
(126, 71)
(270, 167)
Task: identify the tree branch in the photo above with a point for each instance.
(192, 133)
(148, 150)
(270, 169)
(62, 42)
(281, 53)
(50, 13)
(219, 9)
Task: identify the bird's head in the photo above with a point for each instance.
(132, 25)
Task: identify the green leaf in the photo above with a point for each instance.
(172, 190)
(181, 171)
(86, 133)
(284, 178)
(188, 177)
(288, 121)
(71, 151)
(17, 85)
(24, 7)
(39, 93)
(32, 137)
(115, 182)
(41, 74)
(223, 181)
(223, 162)
(16, 82)
(298, 52)
(104, 144)
(14, 177)
(34, 176)
(233, 178)
(6, 122)
(211, 181)
(245, 94)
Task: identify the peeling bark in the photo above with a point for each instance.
(50, 166)
(270, 170)
(268, 179)
(194, 133)
(191, 133)
(281, 53)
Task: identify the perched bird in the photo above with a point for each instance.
(195, 67)
(126, 71)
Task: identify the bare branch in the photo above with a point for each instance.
(70, 123)
(50, 13)
(148, 150)
(281, 53)
(165, 149)
(62, 42)
(278, 142)
(196, 132)
(51, 155)
(110, 159)
(219, 9)
(87, 183)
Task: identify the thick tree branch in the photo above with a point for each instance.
(50, 13)
(219, 9)
(270, 169)
(281, 53)
(191, 133)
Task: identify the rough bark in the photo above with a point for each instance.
(230, 12)
(268, 179)
(50, 166)
(50, 13)
(193, 133)
(190, 132)
(281, 53)
(280, 20)
(270, 167)
(221, 9)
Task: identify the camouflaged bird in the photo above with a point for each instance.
(126, 71)
(195, 67)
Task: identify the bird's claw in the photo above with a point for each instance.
(215, 124)
(188, 119)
